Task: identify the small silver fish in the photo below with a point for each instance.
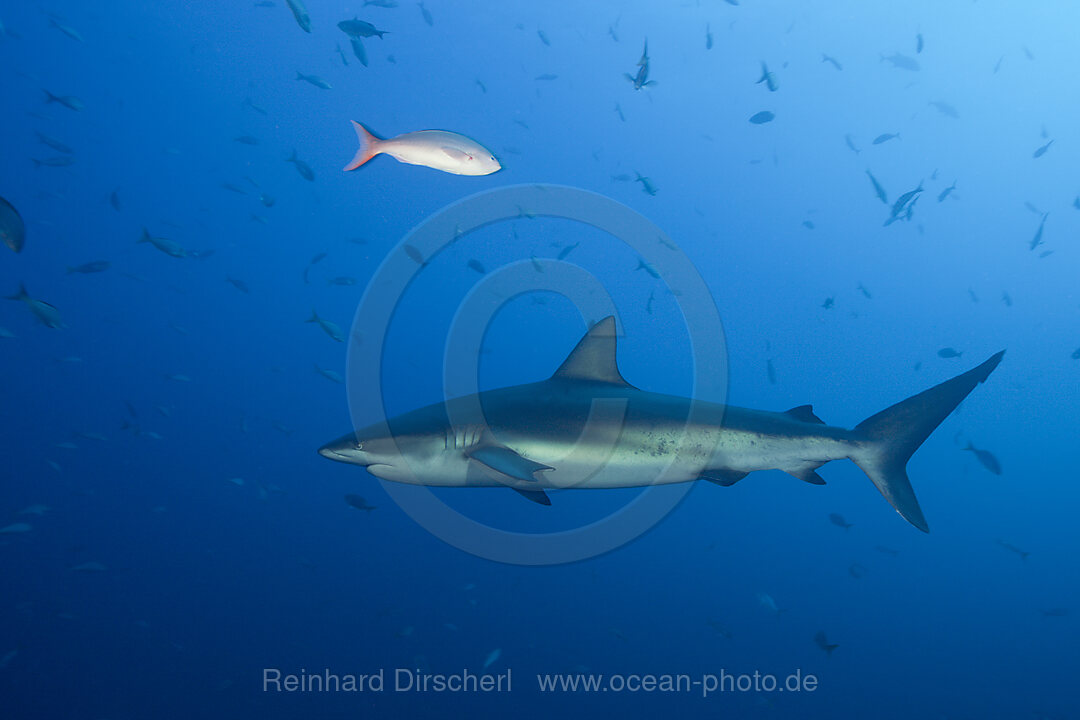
(492, 657)
(300, 13)
(360, 28)
(301, 167)
(358, 50)
(878, 189)
(238, 284)
(646, 183)
(328, 327)
(95, 266)
(66, 29)
(902, 62)
(57, 161)
(985, 458)
(45, 313)
(330, 375)
(768, 78)
(426, 15)
(822, 642)
(12, 227)
(838, 520)
(945, 109)
(314, 80)
(946, 192)
(69, 101)
(358, 502)
(165, 245)
(53, 143)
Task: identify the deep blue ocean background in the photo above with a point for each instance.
(190, 534)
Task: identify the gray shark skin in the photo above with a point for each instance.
(586, 427)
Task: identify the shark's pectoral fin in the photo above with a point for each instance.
(805, 413)
(723, 478)
(504, 460)
(537, 496)
(807, 474)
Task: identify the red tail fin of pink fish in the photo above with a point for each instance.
(369, 147)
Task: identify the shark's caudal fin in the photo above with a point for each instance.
(369, 147)
(891, 437)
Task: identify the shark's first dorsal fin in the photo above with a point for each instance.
(805, 413)
(594, 357)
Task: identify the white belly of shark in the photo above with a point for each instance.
(586, 427)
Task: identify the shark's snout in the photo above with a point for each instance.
(345, 449)
(329, 451)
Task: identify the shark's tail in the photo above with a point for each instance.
(889, 439)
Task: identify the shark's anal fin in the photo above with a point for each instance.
(504, 460)
(723, 478)
(807, 474)
(537, 496)
(805, 413)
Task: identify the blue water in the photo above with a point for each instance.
(191, 537)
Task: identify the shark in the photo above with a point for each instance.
(586, 427)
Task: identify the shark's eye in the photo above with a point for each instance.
(359, 446)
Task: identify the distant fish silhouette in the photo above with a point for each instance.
(822, 642)
(358, 502)
(838, 520)
(1013, 549)
(986, 458)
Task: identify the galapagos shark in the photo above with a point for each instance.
(551, 435)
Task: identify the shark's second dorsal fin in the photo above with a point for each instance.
(805, 413)
(594, 357)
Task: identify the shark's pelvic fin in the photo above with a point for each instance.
(504, 460)
(594, 357)
(537, 496)
(893, 435)
(723, 478)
